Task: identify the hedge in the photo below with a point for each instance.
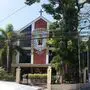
(6, 76)
(35, 76)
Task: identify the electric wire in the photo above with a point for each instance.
(12, 13)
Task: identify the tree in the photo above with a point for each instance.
(65, 33)
(7, 39)
(30, 2)
(65, 30)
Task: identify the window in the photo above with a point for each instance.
(39, 41)
(51, 55)
(26, 37)
(25, 57)
(25, 43)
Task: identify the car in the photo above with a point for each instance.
(5, 85)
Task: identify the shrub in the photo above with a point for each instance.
(53, 79)
(37, 76)
(6, 76)
(9, 77)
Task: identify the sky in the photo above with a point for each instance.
(23, 16)
(80, 1)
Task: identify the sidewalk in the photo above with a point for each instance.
(66, 87)
(63, 87)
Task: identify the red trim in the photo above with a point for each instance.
(39, 57)
(40, 24)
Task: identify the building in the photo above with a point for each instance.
(84, 31)
(36, 55)
(84, 22)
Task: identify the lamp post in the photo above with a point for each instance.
(79, 57)
(88, 63)
(87, 48)
(87, 56)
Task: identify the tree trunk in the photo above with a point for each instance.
(59, 77)
(8, 59)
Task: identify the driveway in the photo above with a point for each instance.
(4, 85)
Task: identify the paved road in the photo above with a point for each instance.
(5, 85)
(86, 87)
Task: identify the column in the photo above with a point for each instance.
(84, 75)
(32, 55)
(18, 54)
(48, 24)
(47, 55)
(32, 50)
(33, 26)
(49, 71)
(18, 72)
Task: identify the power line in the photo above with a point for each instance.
(12, 13)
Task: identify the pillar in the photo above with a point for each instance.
(84, 75)
(18, 72)
(47, 55)
(18, 54)
(32, 55)
(49, 77)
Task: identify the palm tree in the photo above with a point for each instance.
(7, 38)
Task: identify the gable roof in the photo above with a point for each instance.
(40, 17)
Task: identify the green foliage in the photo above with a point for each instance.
(6, 76)
(64, 33)
(53, 79)
(30, 2)
(37, 76)
(8, 36)
(6, 49)
(9, 28)
(88, 43)
(56, 62)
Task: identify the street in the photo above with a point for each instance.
(85, 87)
